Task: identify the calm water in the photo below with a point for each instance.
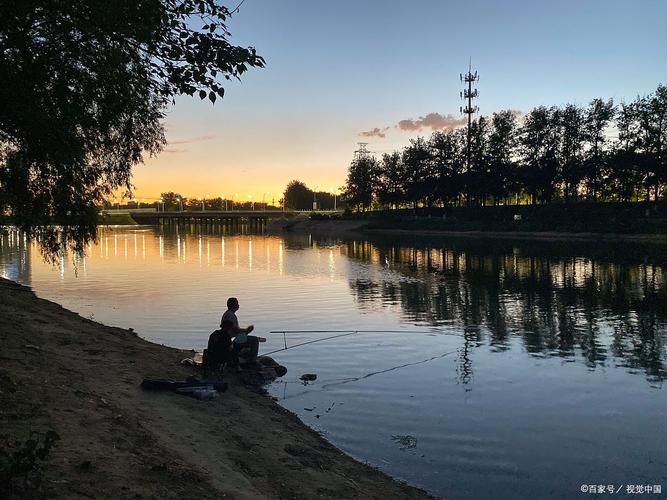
(508, 370)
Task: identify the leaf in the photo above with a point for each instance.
(212, 96)
(202, 94)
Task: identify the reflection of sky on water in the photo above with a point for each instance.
(512, 369)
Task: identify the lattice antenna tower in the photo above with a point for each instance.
(362, 151)
(468, 94)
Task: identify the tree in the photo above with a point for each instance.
(171, 200)
(478, 182)
(361, 181)
(297, 196)
(325, 200)
(501, 151)
(390, 179)
(539, 140)
(420, 179)
(448, 162)
(84, 86)
(625, 169)
(598, 117)
(652, 115)
(571, 150)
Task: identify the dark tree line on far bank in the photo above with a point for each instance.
(601, 152)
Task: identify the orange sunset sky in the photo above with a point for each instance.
(381, 72)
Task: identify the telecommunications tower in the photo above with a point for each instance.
(469, 93)
(362, 151)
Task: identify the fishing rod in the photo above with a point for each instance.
(341, 333)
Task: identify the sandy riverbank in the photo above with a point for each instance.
(61, 372)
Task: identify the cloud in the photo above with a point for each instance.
(434, 121)
(376, 132)
(200, 138)
(175, 150)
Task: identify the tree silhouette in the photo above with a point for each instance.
(297, 196)
(448, 157)
(419, 176)
(625, 161)
(390, 189)
(478, 179)
(539, 139)
(362, 181)
(171, 200)
(84, 86)
(598, 116)
(571, 149)
(502, 144)
(652, 112)
(551, 154)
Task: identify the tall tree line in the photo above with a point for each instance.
(600, 152)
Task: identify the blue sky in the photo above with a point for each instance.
(335, 69)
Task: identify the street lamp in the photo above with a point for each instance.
(235, 195)
(333, 192)
(263, 202)
(250, 201)
(158, 206)
(180, 203)
(206, 196)
(202, 203)
(225, 200)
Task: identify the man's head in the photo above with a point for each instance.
(233, 304)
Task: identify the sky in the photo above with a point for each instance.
(337, 70)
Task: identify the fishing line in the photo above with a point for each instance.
(347, 380)
(342, 333)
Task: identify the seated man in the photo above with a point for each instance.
(246, 346)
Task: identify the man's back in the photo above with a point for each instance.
(230, 315)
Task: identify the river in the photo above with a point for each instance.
(479, 368)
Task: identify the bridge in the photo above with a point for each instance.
(252, 218)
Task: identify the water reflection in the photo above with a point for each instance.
(527, 368)
(576, 303)
(601, 305)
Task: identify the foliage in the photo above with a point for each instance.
(362, 181)
(171, 200)
(390, 189)
(84, 86)
(297, 196)
(550, 154)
